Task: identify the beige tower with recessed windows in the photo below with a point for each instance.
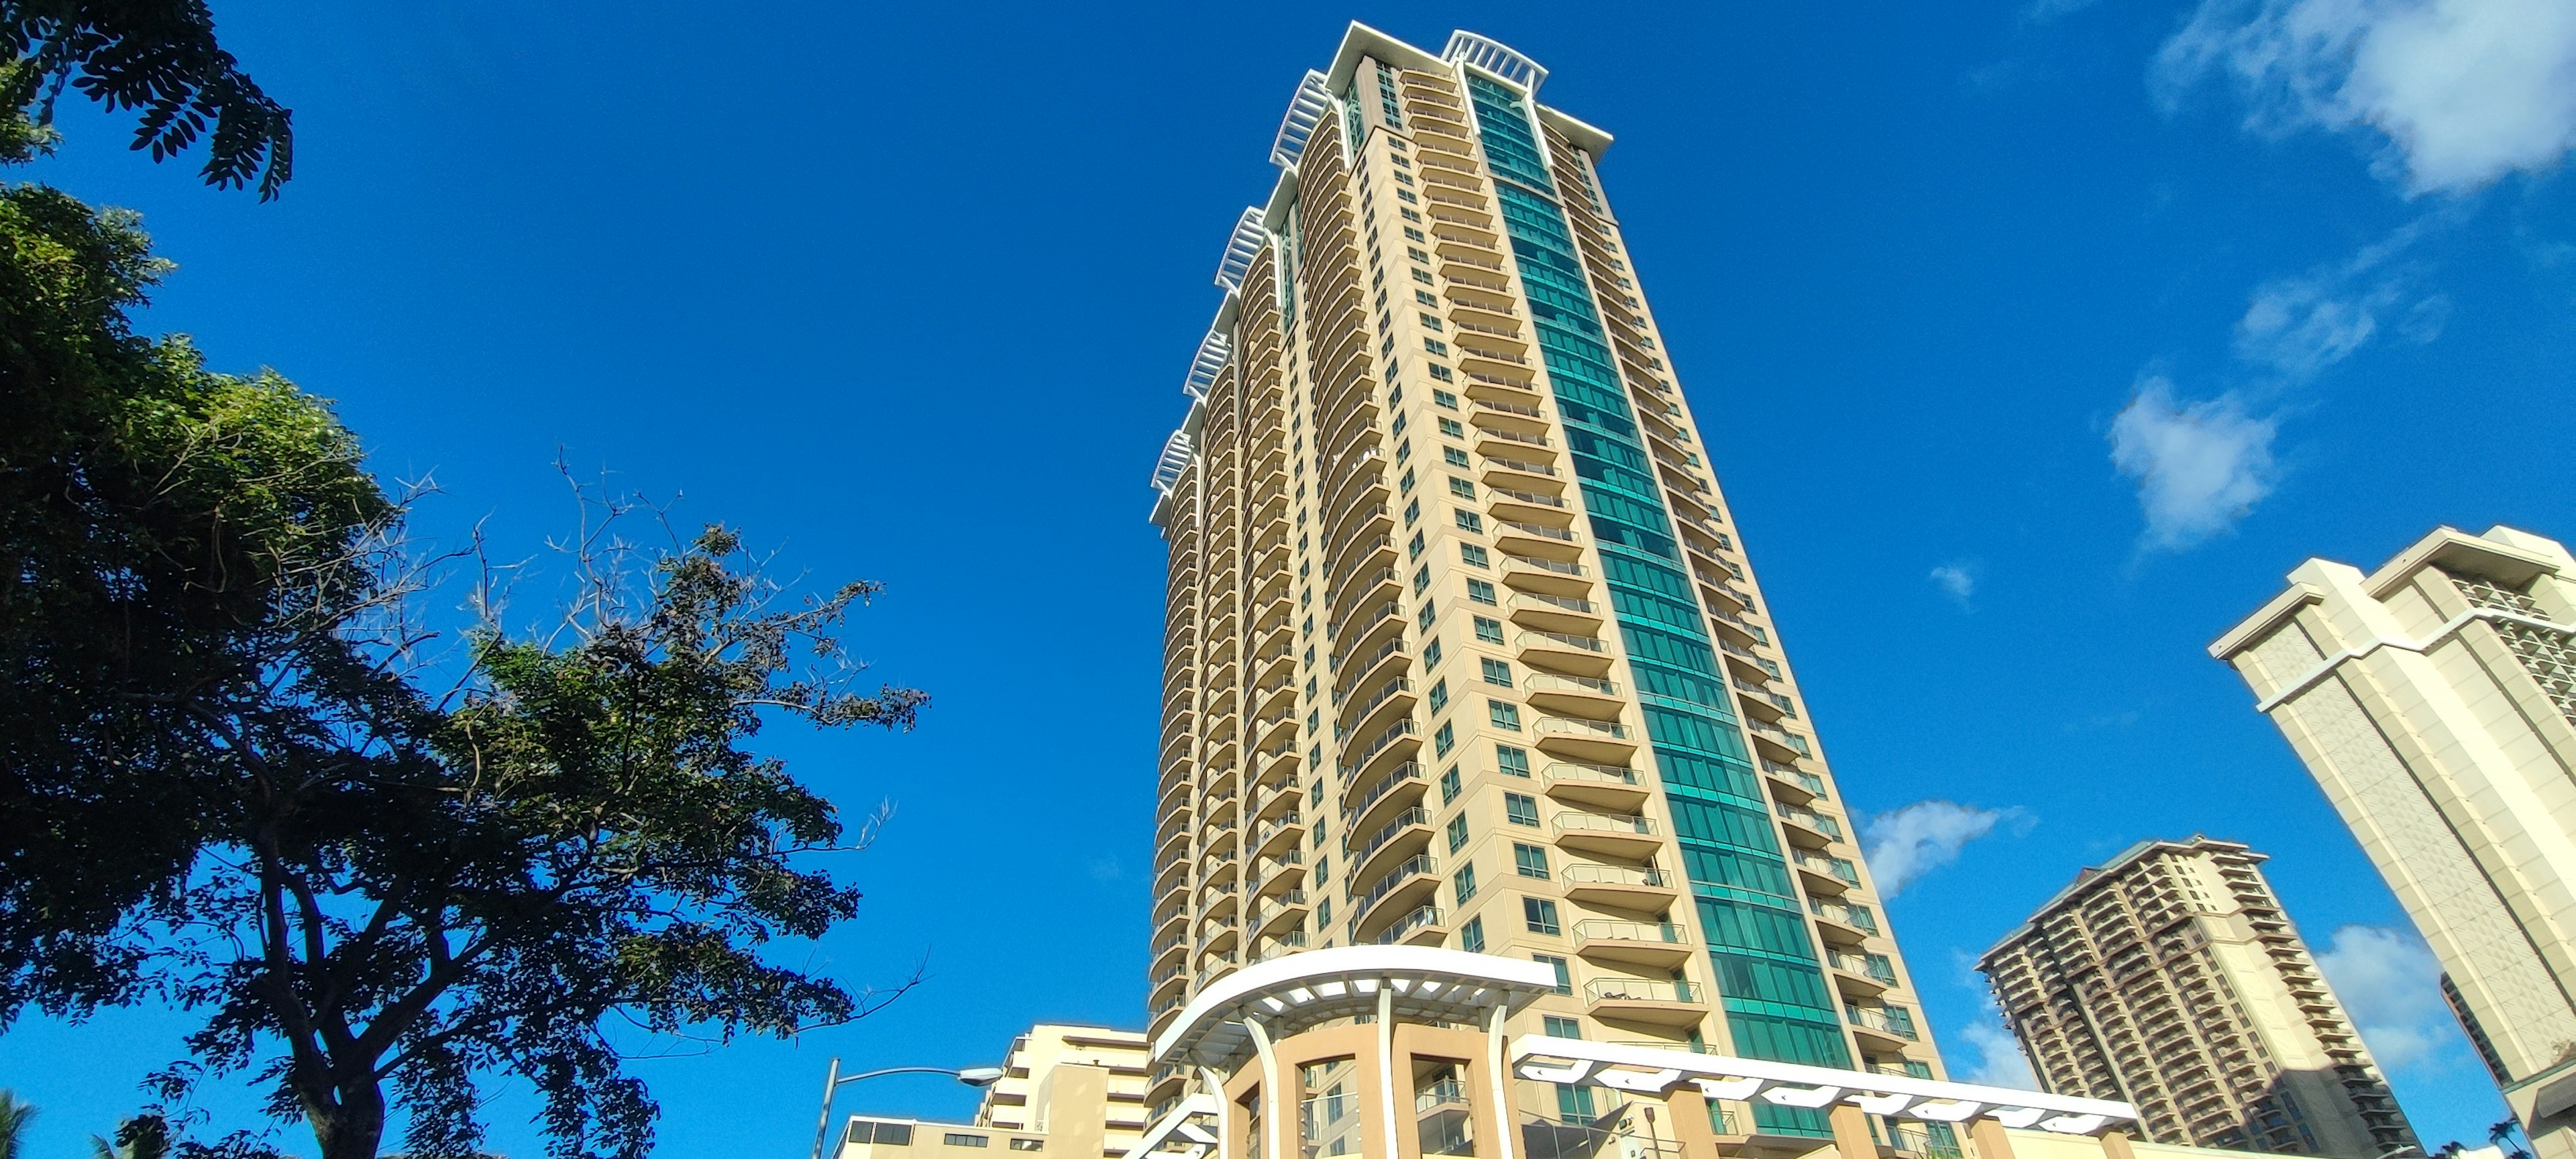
(1463, 647)
(2435, 701)
(2171, 979)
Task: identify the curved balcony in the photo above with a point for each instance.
(1365, 716)
(1589, 697)
(1625, 887)
(1555, 613)
(1655, 944)
(1424, 925)
(1402, 835)
(1535, 574)
(1398, 743)
(1613, 787)
(1608, 835)
(1390, 897)
(1365, 809)
(1584, 740)
(1646, 1000)
(1563, 652)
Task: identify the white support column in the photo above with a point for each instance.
(1272, 1147)
(1386, 1063)
(1215, 1084)
(1502, 1082)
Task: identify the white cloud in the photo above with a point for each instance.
(2390, 985)
(1956, 580)
(2463, 91)
(2200, 466)
(1906, 843)
(2298, 326)
(1997, 1060)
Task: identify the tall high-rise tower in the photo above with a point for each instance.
(2170, 978)
(1463, 647)
(2435, 700)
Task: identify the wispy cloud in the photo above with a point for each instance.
(2298, 326)
(2458, 92)
(1956, 580)
(2390, 984)
(1995, 1056)
(2200, 466)
(1905, 843)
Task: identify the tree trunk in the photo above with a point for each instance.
(348, 1120)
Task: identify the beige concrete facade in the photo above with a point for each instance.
(1463, 647)
(2434, 699)
(2170, 978)
(1072, 1092)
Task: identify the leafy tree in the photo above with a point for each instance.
(141, 1137)
(158, 57)
(418, 892)
(232, 771)
(14, 1117)
(153, 518)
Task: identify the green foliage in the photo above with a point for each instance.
(152, 516)
(14, 1117)
(229, 777)
(160, 58)
(141, 1137)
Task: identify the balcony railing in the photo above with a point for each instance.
(1571, 822)
(1424, 916)
(1409, 771)
(1834, 867)
(1419, 865)
(1387, 832)
(1610, 929)
(1867, 965)
(1638, 990)
(1581, 729)
(1396, 732)
(1556, 566)
(1585, 872)
(1895, 1020)
(1564, 639)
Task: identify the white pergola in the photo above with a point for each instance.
(1648, 1071)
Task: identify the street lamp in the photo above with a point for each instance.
(973, 1076)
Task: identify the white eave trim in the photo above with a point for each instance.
(1649, 1071)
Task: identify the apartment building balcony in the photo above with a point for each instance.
(1808, 829)
(1554, 613)
(1544, 508)
(1494, 329)
(1274, 802)
(1789, 783)
(1654, 1002)
(1584, 740)
(1828, 876)
(1376, 587)
(1775, 742)
(1174, 949)
(1627, 887)
(1373, 518)
(1389, 897)
(1277, 834)
(1384, 751)
(1882, 1028)
(1366, 809)
(1496, 441)
(1401, 836)
(1270, 731)
(1613, 787)
(1168, 983)
(1366, 715)
(1275, 767)
(1224, 899)
(1563, 652)
(1526, 573)
(1860, 975)
(1363, 555)
(1519, 415)
(1590, 697)
(1172, 841)
(1286, 943)
(1608, 835)
(1278, 871)
(1279, 913)
(1657, 944)
(1520, 473)
(1424, 925)
(1384, 660)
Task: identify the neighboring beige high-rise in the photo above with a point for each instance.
(2435, 700)
(1463, 647)
(2171, 979)
(1072, 1092)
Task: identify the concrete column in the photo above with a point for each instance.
(1691, 1130)
(1851, 1132)
(1991, 1143)
(2115, 1145)
(1387, 1079)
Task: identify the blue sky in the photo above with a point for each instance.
(2033, 345)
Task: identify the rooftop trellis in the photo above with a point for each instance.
(1495, 57)
(1174, 460)
(1240, 249)
(1213, 351)
(1305, 111)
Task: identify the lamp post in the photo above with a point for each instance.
(973, 1076)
